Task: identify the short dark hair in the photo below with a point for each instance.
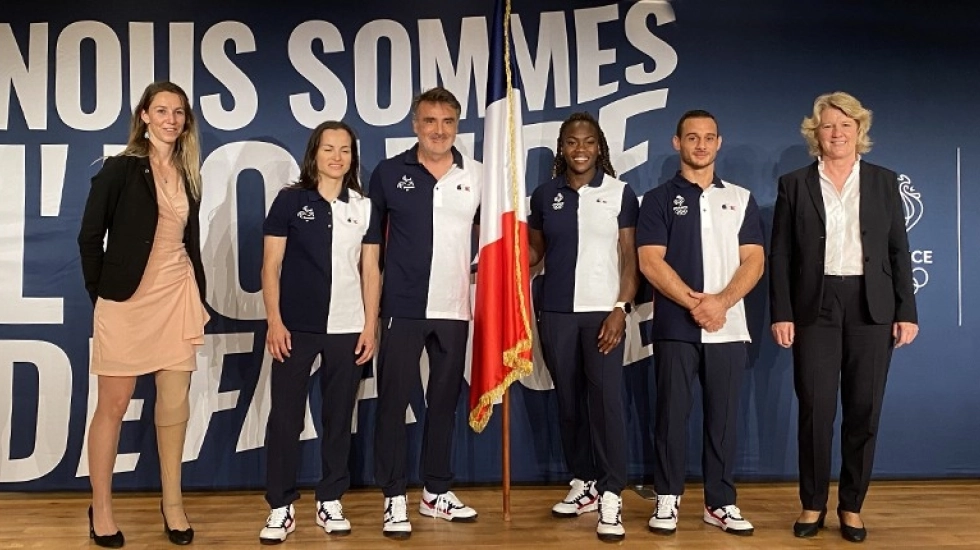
(309, 175)
(694, 113)
(437, 95)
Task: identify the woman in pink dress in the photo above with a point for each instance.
(147, 285)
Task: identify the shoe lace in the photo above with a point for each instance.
(609, 508)
(397, 509)
(332, 509)
(447, 501)
(580, 490)
(732, 511)
(278, 517)
(666, 504)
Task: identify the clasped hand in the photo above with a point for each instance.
(710, 312)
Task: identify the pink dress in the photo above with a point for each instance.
(160, 325)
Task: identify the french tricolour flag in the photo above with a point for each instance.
(502, 319)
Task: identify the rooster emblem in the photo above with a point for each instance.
(911, 200)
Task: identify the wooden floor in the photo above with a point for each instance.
(898, 515)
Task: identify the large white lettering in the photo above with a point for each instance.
(53, 409)
(325, 81)
(639, 35)
(219, 215)
(366, 76)
(29, 79)
(589, 56)
(436, 65)
(15, 308)
(243, 94)
(68, 76)
(551, 53)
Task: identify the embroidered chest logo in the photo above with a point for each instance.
(406, 183)
(306, 214)
(680, 209)
(558, 203)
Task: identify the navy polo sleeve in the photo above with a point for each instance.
(373, 233)
(629, 211)
(751, 230)
(534, 217)
(277, 220)
(651, 228)
(376, 192)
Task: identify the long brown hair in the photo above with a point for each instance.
(603, 162)
(187, 150)
(309, 175)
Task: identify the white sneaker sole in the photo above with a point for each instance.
(432, 513)
(330, 530)
(397, 531)
(271, 541)
(711, 520)
(662, 530)
(611, 537)
(594, 507)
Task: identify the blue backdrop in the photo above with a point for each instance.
(70, 72)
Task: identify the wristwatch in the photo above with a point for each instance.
(625, 306)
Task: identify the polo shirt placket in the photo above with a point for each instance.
(581, 230)
(427, 228)
(702, 230)
(319, 283)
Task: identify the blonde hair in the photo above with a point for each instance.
(187, 150)
(845, 103)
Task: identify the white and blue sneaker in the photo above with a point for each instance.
(445, 506)
(278, 526)
(610, 527)
(664, 518)
(330, 516)
(396, 524)
(729, 519)
(582, 498)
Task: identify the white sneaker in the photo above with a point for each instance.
(664, 518)
(582, 498)
(278, 526)
(330, 516)
(610, 527)
(396, 524)
(445, 506)
(729, 519)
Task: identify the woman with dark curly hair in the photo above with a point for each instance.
(583, 225)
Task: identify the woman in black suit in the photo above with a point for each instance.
(147, 286)
(841, 296)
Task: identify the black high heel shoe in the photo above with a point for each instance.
(803, 530)
(116, 540)
(180, 538)
(851, 534)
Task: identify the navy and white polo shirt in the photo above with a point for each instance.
(320, 281)
(581, 235)
(702, 230)
(428, 230)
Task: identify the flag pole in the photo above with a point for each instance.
(505, 422)
(505, 418)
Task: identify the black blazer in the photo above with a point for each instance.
(799, 231)
(123, 202)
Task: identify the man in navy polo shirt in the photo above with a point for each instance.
(428, 198)
(700, 246)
